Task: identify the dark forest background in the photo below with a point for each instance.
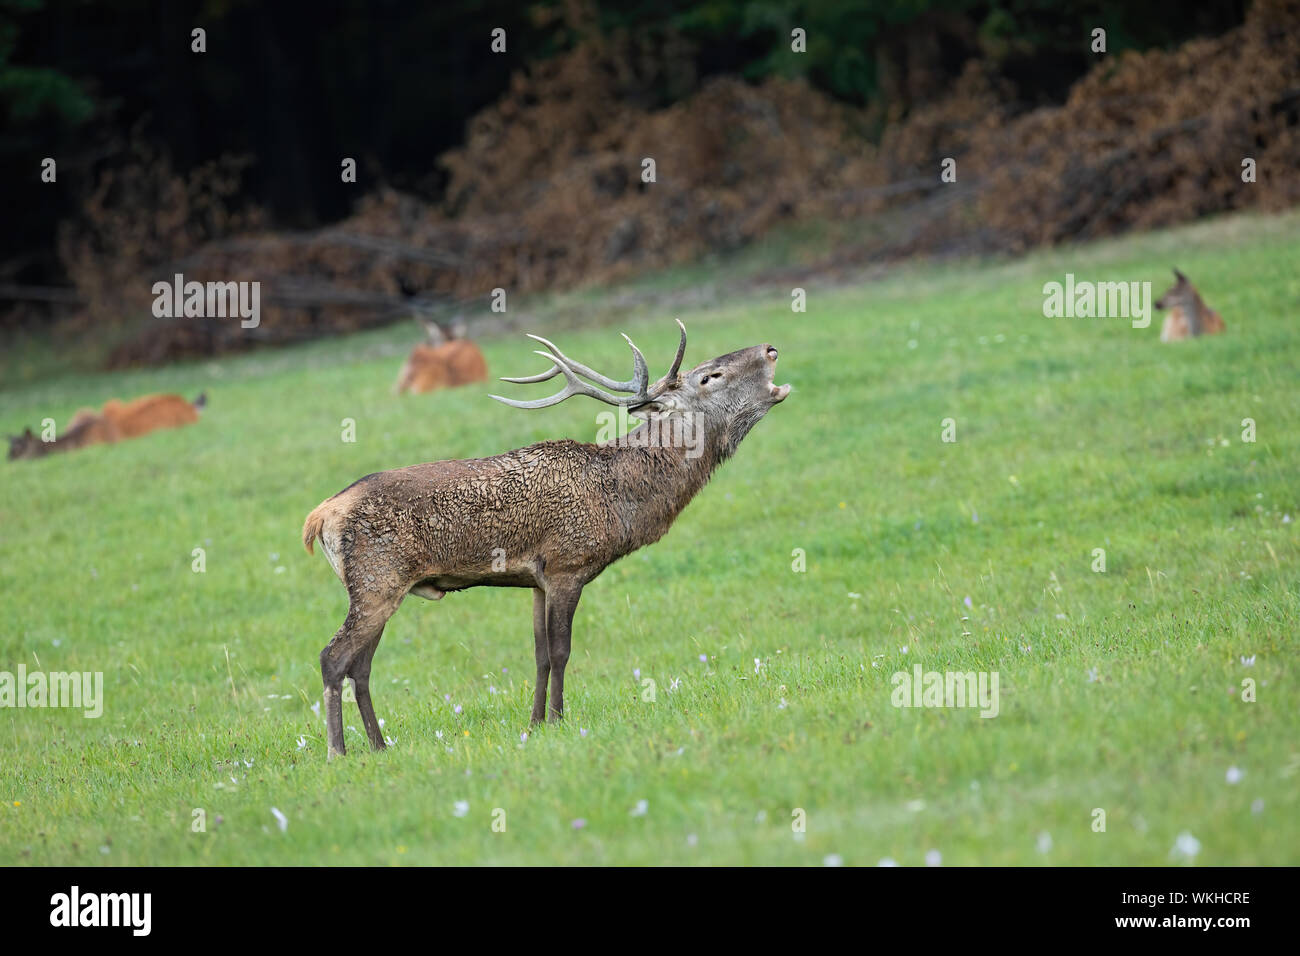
(246, 138)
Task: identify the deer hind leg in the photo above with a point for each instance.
(360, 674)
(561, 602)
(334, 661)
(541, 654)
(355, 640)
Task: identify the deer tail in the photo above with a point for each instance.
(312, 527)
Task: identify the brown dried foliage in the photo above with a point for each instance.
(142, 216)
(546, 192)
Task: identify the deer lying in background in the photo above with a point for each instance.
(549, 517)
(447, 361)
(1188, 316)
(115, 422)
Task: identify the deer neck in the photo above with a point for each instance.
(1195, 312)
(658, 471)
(77, 436)
(42, 448)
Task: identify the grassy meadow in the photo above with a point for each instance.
(1120, 691)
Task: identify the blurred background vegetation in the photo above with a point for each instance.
(522, 170)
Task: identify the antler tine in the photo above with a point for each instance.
(662, 385)
(530, 379)
(640, 371)
(586, 371)
(638, 383)
(681, 352)
(575, 386)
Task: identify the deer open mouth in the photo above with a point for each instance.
(778, 392)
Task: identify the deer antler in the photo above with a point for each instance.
(638, 385)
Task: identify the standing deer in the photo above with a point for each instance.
(1188, 316)
(115, 422)
(549, 517)
(448, 360)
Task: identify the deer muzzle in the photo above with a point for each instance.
(778, 392)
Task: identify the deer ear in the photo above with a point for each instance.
(651, 410)
(27, 432)
(1179, 276)
(665, 404)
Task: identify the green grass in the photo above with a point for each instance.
(1119, 690)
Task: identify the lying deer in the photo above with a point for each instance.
(549, 517)
(115, 422)
(1188, 316)
(447, 361)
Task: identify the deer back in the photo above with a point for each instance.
(465, 362)
(143, 415)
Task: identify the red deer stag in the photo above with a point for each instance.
(549, 517)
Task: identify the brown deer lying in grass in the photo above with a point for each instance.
(115, 422)
(1188, 316)
(549, 517)
(447, 361)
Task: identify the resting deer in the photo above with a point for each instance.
(1188, 316)
(115, 422)
(549, 517)
(447, 361)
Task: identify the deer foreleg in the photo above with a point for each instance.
(561, 602)
(541, 654)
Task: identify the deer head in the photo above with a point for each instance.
(725, 396)
(433, 332)
(1181, 293)
(25, 445)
